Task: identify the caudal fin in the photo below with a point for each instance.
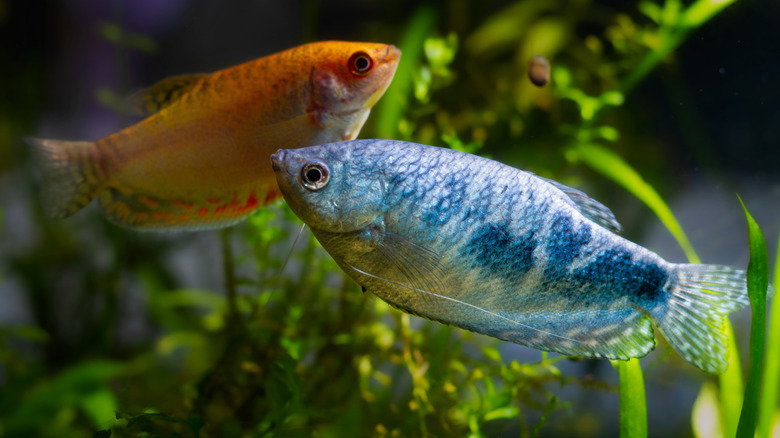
(693, 320)
(70, 179)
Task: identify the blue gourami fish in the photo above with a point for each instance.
(473, 243)
(199, 160)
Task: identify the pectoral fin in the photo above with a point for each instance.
(400, 261)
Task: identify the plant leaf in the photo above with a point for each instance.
(391, 108)
(731, 388)
(757, 282)
(769, 398)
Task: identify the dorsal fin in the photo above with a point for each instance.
(589, 207)
(150, 100)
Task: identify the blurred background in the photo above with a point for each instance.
(103, 328)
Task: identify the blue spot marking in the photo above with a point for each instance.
(396, 179)
(408, 192)
(564, 244)
(614, 273)
(495, 250)
(449, 202)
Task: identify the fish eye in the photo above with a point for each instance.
(314, 175)
(360, 63)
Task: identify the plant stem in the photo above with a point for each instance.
(633, 409)
(234, 319)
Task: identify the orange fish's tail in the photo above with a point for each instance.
(71, 177)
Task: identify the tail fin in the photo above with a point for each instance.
(693, 320)
(70, 177)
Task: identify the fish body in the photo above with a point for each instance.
(200, 158)
(473, 243)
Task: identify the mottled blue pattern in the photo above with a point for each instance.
(564, 244)
(497, 251)
(614, 272)
(449, 203)
(470, 242)
(477, 209)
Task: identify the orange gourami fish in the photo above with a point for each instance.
(200, 160)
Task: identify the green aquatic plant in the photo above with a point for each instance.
(83, 388)
(768, 414)
(760, 397)
(731, 388)
(633, 409)
(757, 283)
(675, 23)
(391, 109)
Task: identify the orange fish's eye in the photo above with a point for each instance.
(314, 175)
(360, 63)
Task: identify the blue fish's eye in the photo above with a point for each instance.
(314, 175)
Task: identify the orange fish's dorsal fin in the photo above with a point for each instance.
(162, 94)
(180, 213)
(72, 176)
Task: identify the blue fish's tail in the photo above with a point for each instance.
(693, 318)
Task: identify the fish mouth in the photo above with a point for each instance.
(392, 53)
(277, 159)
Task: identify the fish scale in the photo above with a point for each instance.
(470, 242)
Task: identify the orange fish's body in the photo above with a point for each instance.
(201, 158)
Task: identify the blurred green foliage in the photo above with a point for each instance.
(295, 349)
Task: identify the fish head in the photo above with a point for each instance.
(325, 192)
(348, 77)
